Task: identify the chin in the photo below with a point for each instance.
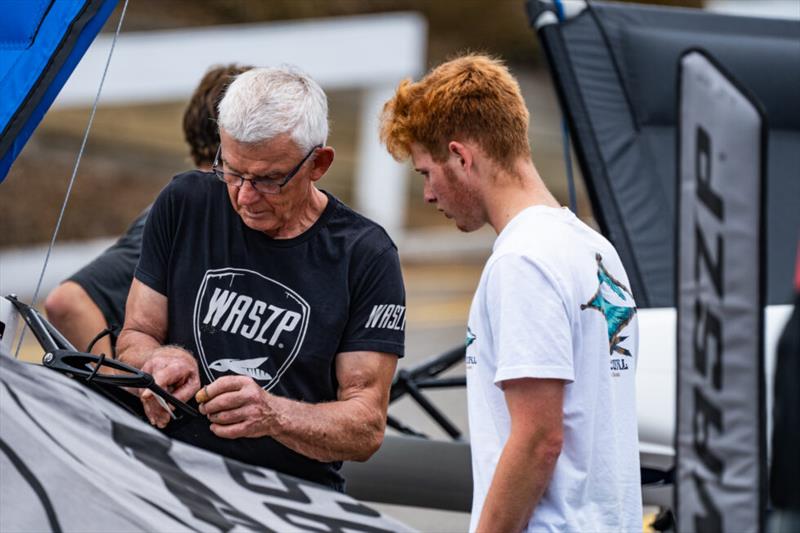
(256, 224)
(468, 228)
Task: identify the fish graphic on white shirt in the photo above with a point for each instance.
(244, 367)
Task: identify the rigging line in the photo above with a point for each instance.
(565, 140)
(74, 172)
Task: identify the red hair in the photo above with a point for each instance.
(473, 97)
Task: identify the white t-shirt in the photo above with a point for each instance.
(554, 302)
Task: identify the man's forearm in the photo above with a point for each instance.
(521, 478)
(348, 429)
(342, 430)
(135, 347)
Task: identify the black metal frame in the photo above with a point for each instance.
(61, 356)
(424, 376)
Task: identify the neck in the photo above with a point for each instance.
(304, 214)
(508, 193)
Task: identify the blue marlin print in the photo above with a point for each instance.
(617, 316)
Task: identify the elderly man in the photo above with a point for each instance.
(286, 306)
(552, 332)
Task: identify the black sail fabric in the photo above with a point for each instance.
(70, 460)
(615, 67)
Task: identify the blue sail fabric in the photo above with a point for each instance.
(41, 42)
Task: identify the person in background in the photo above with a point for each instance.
(552, 337)
(282, 303)
(785, 469)
(92, 300)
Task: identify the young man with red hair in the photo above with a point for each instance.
(552, 337)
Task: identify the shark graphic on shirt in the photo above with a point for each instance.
(244, 367)
(470, 338)
(617, 316)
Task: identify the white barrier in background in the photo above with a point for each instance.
(20, 267)
(369, 52)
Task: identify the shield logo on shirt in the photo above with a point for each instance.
(248, 324)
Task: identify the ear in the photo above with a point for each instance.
(462, 154)
(323, 159)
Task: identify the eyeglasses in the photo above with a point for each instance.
(261, 185)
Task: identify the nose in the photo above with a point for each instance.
(247, 194)
(427, 192)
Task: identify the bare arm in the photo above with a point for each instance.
(71, 310)
(529, 456)
(350, 428)
(145, 324)
(140, 345)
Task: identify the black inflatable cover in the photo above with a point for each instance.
(615, 69)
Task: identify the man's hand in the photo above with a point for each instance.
(238, 407)
(140, 345)
(348, 429)
(174, 370)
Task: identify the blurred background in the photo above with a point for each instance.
(136, 146)
(134, 149)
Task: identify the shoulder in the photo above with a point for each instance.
(192, 183)
(559, 250)
(555, 239)
(365, 237)
(541, 247)
(522, 270)
(190, 189)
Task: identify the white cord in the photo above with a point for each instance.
(74, 173)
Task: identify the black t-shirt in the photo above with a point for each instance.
(107, 279)
(276, 310)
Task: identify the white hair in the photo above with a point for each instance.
(263, 103)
